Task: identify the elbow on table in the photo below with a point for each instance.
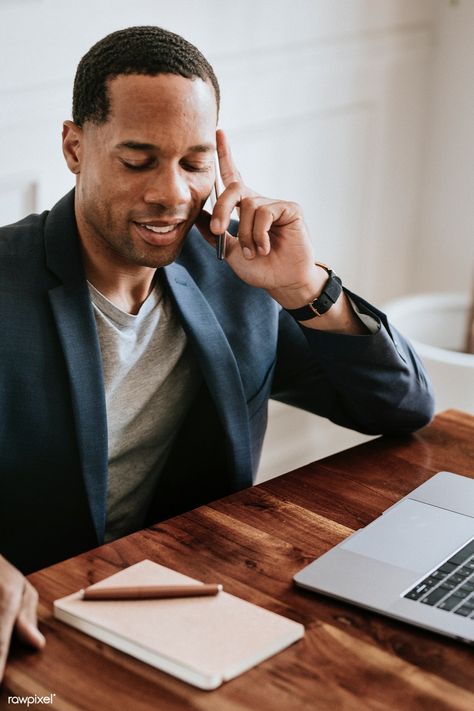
(413, 416)
(397, 420)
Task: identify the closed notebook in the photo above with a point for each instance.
(201, 640)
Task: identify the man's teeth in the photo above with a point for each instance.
(160, 230)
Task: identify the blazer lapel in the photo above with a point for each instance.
(78, 336)
(75, 322)
(218, 365)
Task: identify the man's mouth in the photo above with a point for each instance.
(159, 229)
(159, 233)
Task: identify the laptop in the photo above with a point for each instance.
(414, 563)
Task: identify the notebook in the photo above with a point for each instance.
(201, 640)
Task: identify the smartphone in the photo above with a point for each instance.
(220, 243)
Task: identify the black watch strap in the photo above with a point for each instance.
(328, 297)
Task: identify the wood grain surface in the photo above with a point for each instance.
(253, 542)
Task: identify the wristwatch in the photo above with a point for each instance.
(322, 304)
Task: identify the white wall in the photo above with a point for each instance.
(444, 258)
(324, 100)
(325, 103)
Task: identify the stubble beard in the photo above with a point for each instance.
(119, 245)
(146, 256)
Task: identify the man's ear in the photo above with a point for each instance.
(72, 145)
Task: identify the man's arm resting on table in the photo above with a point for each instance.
(373, 383)
(18, 605)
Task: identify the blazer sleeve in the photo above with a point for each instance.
(372, 383)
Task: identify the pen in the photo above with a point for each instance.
(150, 592)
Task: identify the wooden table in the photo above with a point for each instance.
(254, 542)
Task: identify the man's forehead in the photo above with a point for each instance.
(144, 108)
(151, 88)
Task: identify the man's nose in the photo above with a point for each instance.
(167, 187)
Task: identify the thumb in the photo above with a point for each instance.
(26, 625)
(203, 221)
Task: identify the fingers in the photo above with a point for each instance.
(257, 218)
(18, 604)
(257, 214)
(26, 625)
(235, 189)
(11, 592)
(230, 198)
(10, 600)
(203, 221)
(227, 167)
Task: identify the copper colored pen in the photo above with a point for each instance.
(150, 592)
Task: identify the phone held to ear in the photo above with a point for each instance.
(220, 243)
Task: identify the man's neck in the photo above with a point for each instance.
(126, 291)
(126, 285)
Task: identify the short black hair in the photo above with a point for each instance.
(145, 50)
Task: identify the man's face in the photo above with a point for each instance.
(144, 175)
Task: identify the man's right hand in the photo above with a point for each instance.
(18, 603)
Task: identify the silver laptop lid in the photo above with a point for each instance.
(375, 566)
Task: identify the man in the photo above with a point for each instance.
(136, 368)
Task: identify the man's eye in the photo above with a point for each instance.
(197, 167)
(136, 166)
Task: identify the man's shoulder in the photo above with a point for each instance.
(24, 236)
(23, 255)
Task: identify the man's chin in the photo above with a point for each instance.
(157, 257)
(147, 254)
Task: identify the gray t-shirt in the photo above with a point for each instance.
(150, 379)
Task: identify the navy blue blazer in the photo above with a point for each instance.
(53, 430)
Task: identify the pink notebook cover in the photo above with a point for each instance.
(202, 640)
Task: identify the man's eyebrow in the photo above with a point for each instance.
(138, 146)
(202, 148)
